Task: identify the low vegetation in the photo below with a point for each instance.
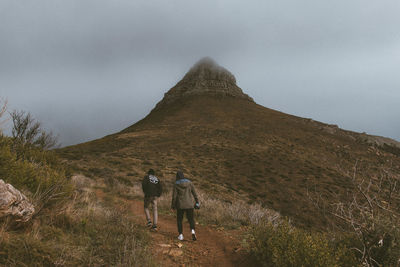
(285, 245)
(371, 215)
(230, 215)
(71, 225)
(77, 224)
(364, 230)
(86, 232)
(274, 241)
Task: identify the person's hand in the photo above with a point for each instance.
(197, 205)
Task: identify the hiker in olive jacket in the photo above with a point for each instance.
(182, 201)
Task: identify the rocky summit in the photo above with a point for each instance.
(205, 78)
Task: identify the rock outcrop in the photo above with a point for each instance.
(205, 78)
(13, 203)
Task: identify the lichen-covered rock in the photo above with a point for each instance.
(13, 203)
(205, 78)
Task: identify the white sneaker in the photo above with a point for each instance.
(180, 237)
(194, 237)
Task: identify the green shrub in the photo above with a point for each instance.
(27, 131)
(284, 245)
(39, 172)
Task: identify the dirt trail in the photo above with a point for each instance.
(213, 247)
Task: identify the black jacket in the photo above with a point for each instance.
(151, 186)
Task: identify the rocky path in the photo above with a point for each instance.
(213, 247)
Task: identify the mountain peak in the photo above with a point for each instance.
(206, 77)
(208, 69)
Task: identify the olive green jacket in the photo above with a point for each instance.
(183, 194)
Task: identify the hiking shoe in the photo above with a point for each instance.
(148, 224)
(154, 228)
(194, 238)
(180, 237)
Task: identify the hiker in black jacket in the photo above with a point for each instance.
(182, 200)
(152, 189)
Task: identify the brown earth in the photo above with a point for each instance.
(213, 247)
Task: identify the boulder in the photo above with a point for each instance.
(14, 204)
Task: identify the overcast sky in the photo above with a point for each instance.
(88, 68)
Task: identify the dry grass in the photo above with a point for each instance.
(86, 231)
(218, 212)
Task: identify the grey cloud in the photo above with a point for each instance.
(94, 36)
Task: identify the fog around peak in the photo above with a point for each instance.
(90, 68)
(208, 67)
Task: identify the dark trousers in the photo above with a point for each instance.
(189, 216)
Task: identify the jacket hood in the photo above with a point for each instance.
(179, 176)
(183, 183)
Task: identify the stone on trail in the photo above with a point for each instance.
(14, 204)
(164, 245)
(175, 252)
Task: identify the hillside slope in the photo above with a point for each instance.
(234, 148)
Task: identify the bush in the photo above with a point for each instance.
(40, 173)
(369, 214)
(28, 131)
(284, 245)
